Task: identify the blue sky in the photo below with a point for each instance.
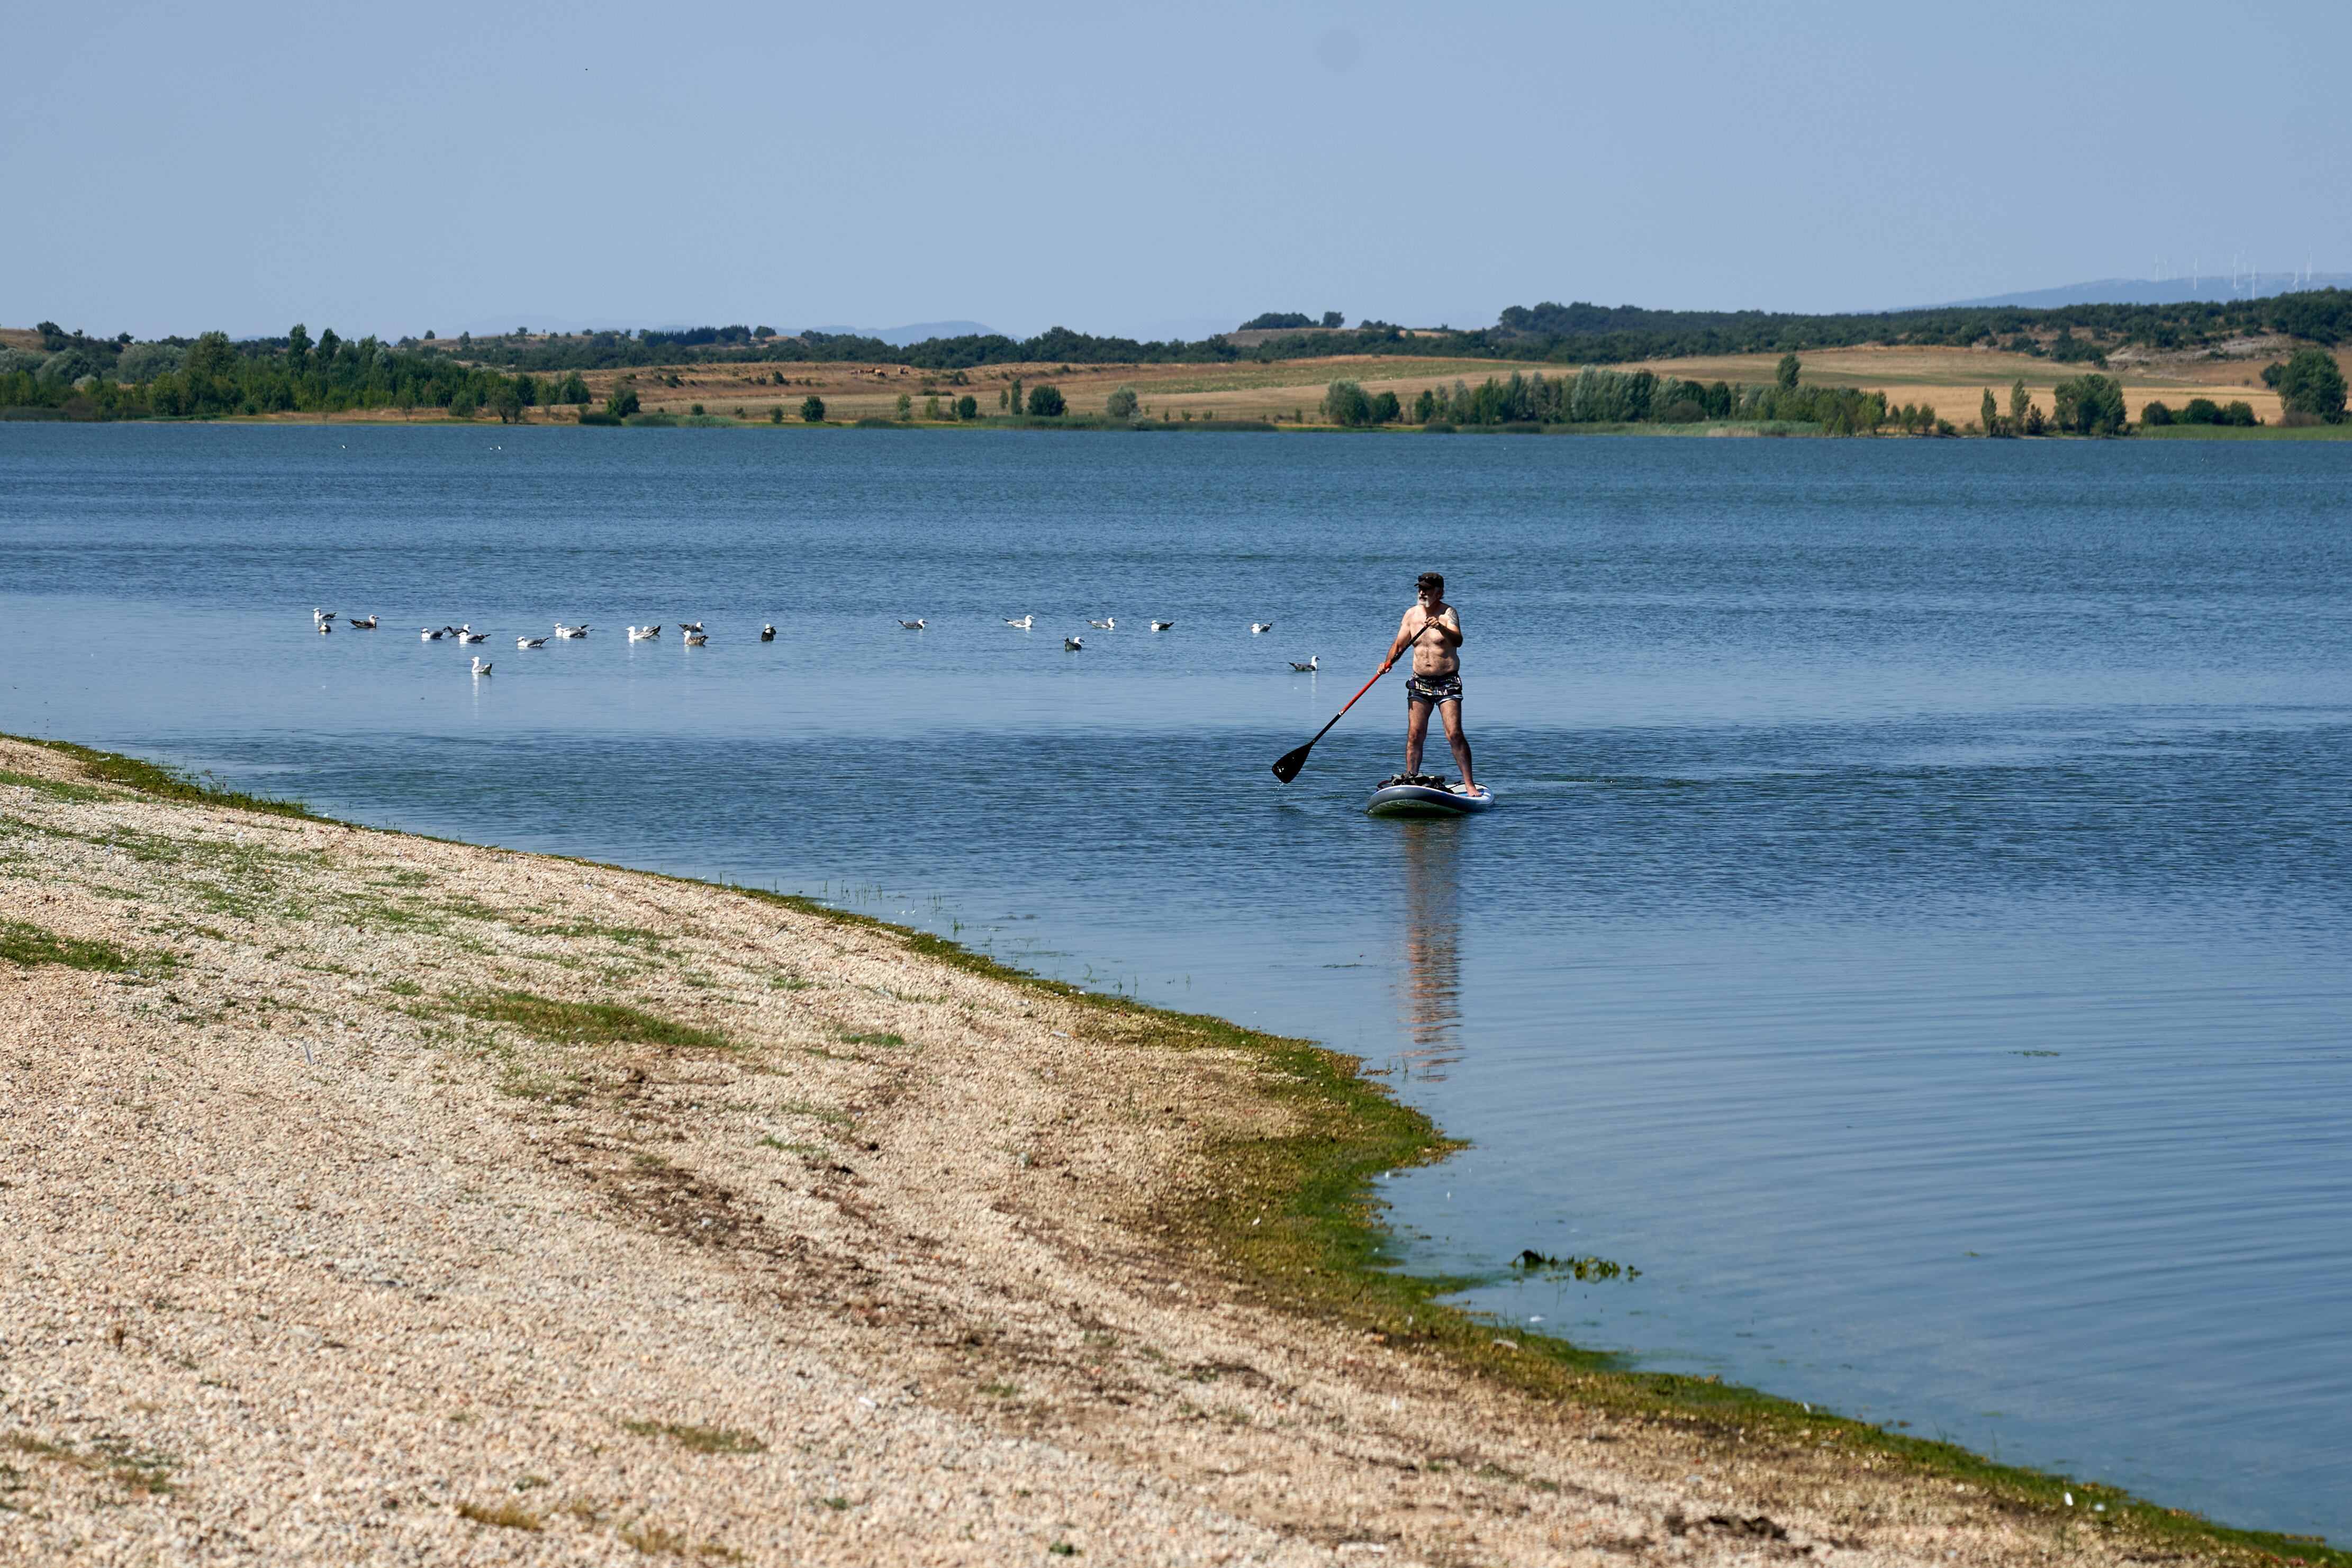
(1140, 169)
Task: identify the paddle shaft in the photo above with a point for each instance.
(1351, 702)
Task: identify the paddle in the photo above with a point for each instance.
(1292, 761)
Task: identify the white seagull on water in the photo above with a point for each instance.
(1107, 623)
(696, 639)
(1314, 663)
(467, 633)
(480, 667)
(321, 615)
(1024, 623)
(1259, 628)
(914, 625)
(530, 641)
(690, 625)
(1162, 625)
(358, 625)
(644, 634)
(1074, 644)
(430, 635)
(768, 632)
(563, 631)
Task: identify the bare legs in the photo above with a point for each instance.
(1416, 730)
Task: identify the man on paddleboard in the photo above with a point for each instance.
(1433, 631)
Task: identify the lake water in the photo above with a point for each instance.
(1914, 931)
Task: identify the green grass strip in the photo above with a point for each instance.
(580, 1023)
(21, 943)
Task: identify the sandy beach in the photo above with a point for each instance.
(374, 1199)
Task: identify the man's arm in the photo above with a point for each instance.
(1448, 627)
(1406, 632)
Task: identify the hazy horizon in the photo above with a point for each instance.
(1136, 175)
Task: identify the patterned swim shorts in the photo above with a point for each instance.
(1434, 689)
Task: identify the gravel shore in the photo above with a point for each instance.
(371, 1199)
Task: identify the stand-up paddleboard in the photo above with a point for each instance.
(1426, 797)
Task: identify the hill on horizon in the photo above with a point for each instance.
(2157, 291)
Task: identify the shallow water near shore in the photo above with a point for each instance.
(1913, 933)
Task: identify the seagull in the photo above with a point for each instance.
(690, 625)
(1107, 623)
(1259, 627)
(563, 631)
(1162, 625)
(914, 625)
(1024, 623)
(1074, 644)
(768, 633)
(644, 634)
(467, 633)
(1314, 663)
(530, 641)
(324, 628)
(480, 667)
(366, 625)
(321, 615)
(430, 635)
(696, 639)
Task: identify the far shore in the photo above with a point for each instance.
(401, 1199)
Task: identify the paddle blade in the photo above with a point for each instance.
(1292, 761)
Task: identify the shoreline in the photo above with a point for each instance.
(1735, 429)
(404, 1195)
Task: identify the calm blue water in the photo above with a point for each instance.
(1915, 933)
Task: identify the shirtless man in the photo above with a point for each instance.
(1433, 632)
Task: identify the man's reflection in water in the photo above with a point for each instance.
(1431, 983)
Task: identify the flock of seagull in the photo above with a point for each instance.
(695, 636)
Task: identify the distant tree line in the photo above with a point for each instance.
(209, 377)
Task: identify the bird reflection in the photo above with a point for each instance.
(1429, 988)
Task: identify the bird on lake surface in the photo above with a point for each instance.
(914, 625)
(319, 614)
(430, 635)
(644, 634)
(324, 628)
(467, 633)
(1107, 623)
(530, 641)
(1074, 644)
(366, 625)
(1259, 628)
(563, 631)
(768, 633)
(690, 625)
(1314, 663)
(696, 639)
(1162, 625)
(1024, 623)
(480, 667)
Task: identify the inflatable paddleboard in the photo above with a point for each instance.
(1426, 797)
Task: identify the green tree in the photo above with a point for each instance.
(463, 404)
(906, 405)
(1786, 375)
(812, 410)
(967, 407)
(2156, 413)
(507, 403)
(1344, 403)
(2089, 405)
(1424, 407)
(1121, 404)
(1046, 402)
(298, 344)
(2311, 382)
(1333, 320)
(622, 403)
(776, 415)
(1386, 410)
(1016, 394)
(2018, 405)
(1989, 413)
